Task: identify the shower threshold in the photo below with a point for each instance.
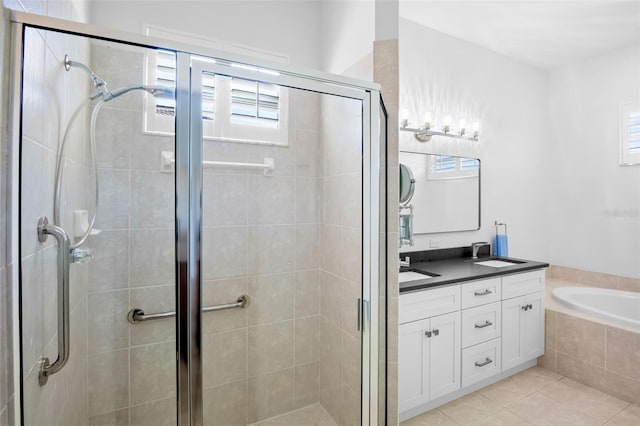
(311, 415)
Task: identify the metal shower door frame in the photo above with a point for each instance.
(188, 168)
(371, 152)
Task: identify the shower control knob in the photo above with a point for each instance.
(80, 255)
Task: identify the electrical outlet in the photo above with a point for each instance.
(434, 243)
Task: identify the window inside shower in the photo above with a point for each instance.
(286, 239)
(233, 109)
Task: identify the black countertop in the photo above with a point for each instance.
(448, 271)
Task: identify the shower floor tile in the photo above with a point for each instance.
(536, 396)
(311, 415)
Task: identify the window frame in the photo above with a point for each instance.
(627, 158)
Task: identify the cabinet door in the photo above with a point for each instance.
(413, 364)
(445, 346)
(512, 345)
(533, 326)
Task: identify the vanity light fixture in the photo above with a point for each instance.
(424, 133)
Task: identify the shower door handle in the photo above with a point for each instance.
(44, 230)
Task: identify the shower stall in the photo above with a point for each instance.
(201, 235)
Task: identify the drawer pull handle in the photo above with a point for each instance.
(486, 361)
(482, 293)
(487, 323)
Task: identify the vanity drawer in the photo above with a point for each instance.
(428, 303)
(477, 293)
(520, 284)
(480, 362)
(481, 323)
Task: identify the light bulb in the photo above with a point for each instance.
(428, 119)
(476, 129)
(404, 117)
(462, 127)
(447, 124)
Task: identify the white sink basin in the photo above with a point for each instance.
(496, 263)
(405, 277)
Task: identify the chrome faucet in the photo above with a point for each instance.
(475, 247)
(406, 262)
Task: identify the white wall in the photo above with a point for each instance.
(289, 27)
(347, 34)
(447, 76)
(593, 204)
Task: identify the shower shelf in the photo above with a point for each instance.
(168, 160)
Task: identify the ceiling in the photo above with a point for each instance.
(544, 33)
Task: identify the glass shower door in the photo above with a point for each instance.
(282, 223)
(117, 372)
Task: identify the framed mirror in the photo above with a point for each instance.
(446, 192)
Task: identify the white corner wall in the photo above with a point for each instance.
(287, 27)
(592, 203)
(448, 76)
(347, 32)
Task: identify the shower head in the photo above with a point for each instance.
(160, 91)
(102, 91)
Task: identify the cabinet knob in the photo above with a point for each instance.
(427, 333)
(436, 332)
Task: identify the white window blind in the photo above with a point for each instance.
(630, 133)
(233, 109)
(165, 75)
(254, 103)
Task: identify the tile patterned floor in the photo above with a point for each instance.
(536, 396)
(312, 415)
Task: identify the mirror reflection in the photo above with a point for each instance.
(446, 192)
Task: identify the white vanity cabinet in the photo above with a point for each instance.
(429, 359)
(523, 318)
(429, 349)
(454, 339)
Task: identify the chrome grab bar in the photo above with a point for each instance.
(44, 230)
(137, 315)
